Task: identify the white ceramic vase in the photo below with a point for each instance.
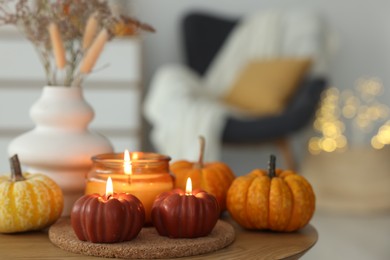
(61, 146)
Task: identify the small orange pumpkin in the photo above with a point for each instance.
(213, 177)
(280, 200)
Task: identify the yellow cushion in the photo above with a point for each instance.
(264, 87)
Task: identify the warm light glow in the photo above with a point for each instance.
(382, 138)
(314, 145)
(353, 112)
(341, 141)
(127, 162)
(189, 186)
(328, 145)
(376, 144)
(109, 187)
(330, 130)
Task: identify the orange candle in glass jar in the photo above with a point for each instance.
(145, 175)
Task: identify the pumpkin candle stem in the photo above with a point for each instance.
(16, 171)
(271, 166)
(202, 142)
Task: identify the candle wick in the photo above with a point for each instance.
(109, 196)
(129, 178)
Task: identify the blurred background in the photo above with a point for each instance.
(336, 151)
(359, 41)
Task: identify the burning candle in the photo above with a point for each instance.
(127, 163)
(185, 214)
(189, 187)
(145, 175)
(108, 218)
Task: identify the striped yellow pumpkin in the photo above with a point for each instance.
(28, 202)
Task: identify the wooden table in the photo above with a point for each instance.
(248, 245)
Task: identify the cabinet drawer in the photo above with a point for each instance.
(130, 142)
(115, 109)
(19, 60)
(15, 104)
(4, 163)
(119, 61)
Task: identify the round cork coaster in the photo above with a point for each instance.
(148, 245)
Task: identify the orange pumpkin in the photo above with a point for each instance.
(213, 177)
(279, 200)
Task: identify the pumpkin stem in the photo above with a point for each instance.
(271, 166)
(202, 143)
(16, 171)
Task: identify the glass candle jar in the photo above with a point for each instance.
(145, 175)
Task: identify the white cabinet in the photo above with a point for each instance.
(114, 91)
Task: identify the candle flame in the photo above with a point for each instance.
(109, 187)
(127, 163)
(189, 186)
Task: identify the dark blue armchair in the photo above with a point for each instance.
(204, 34)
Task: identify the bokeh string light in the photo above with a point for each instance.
(353, 113)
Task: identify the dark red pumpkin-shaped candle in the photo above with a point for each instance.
(109, 218)
(190, 214)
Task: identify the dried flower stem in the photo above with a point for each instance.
(90, 31)
(75, 57)
(93, 52)
(58, 47)
(44, 56)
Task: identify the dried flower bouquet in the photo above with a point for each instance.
(68, 35)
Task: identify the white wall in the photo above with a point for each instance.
(362, 28)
